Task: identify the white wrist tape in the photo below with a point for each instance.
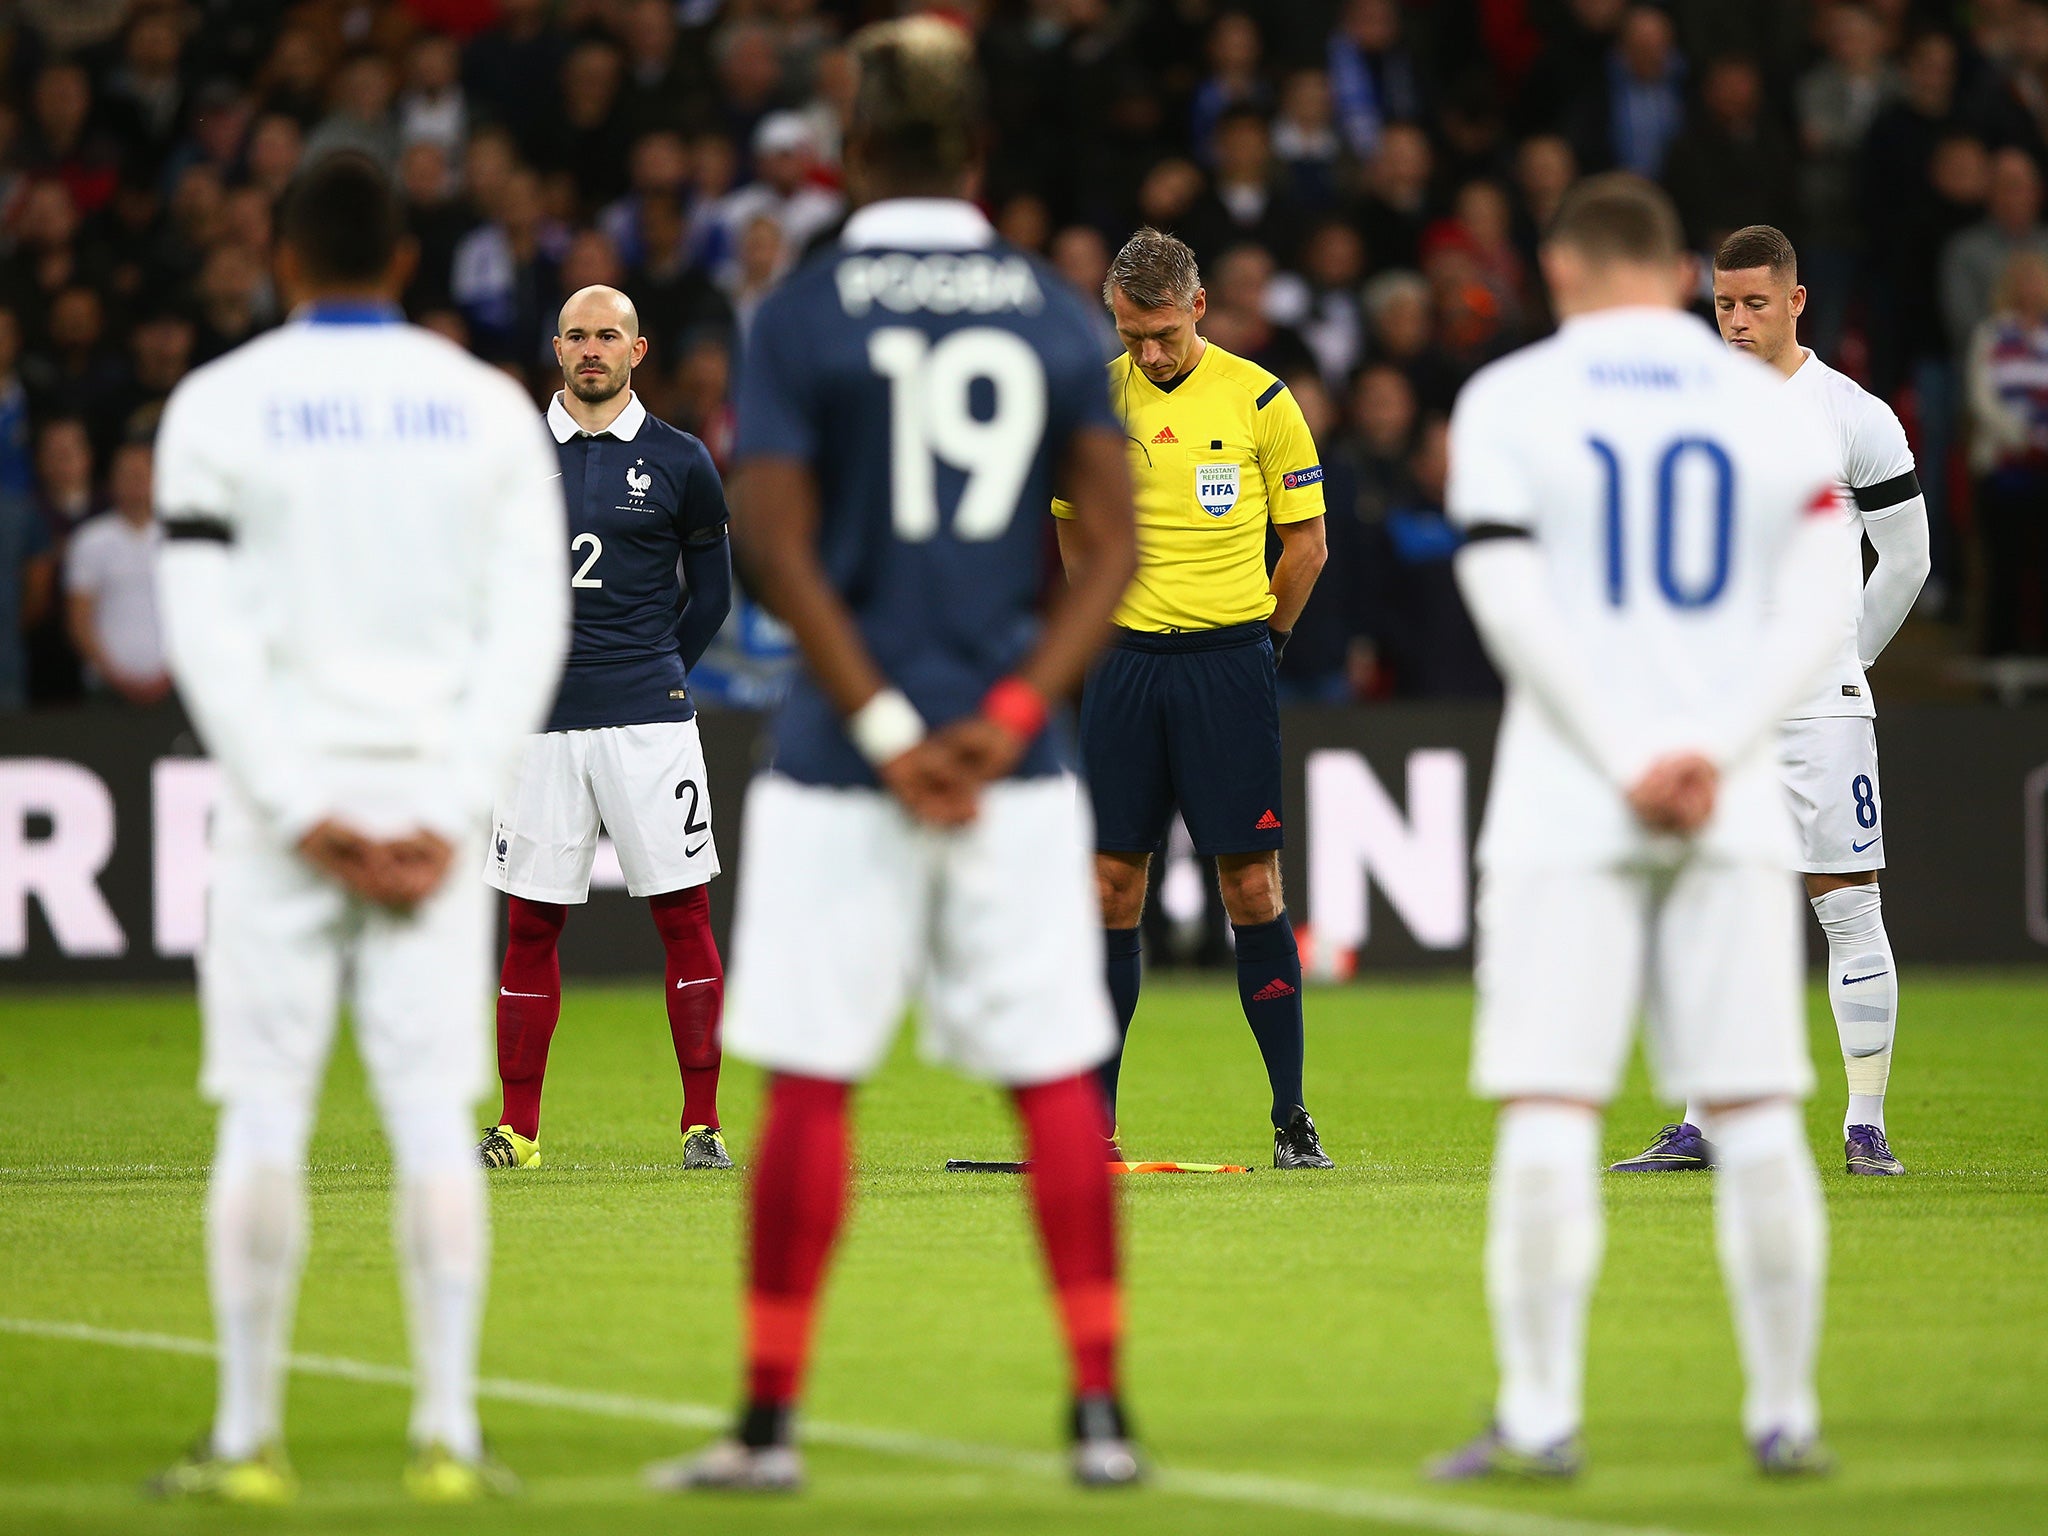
(885, 727)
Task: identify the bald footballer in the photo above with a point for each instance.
(1181, 712)
(650, 581)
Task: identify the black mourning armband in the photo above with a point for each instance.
(1886, 493)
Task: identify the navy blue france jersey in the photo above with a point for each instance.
(644, 499)
(931, 376)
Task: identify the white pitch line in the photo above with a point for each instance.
(1212, 1487)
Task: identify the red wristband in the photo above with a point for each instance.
(1017, 707)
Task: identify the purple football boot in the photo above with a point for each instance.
(1490, 1456)
(1866, 1153)
(1778, 1454)
(1680, 1148)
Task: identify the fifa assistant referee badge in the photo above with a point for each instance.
(1017, 707)
(885, 727)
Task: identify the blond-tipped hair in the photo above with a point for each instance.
(917, 106)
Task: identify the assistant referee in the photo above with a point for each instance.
(1181, 710)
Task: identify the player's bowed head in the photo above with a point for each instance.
(342, 241)
(917, 129)
(1758, 297)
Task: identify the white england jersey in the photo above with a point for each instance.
(365, 560)
(1661, 478)
(1875, 467)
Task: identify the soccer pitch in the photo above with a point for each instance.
(1298, 1342)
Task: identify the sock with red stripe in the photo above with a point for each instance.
(1123, 957)
(696, 996)
(1269, 987)
(798, 1199)
(529, 1007)
(1070, 1192)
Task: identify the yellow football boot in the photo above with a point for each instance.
(503, 1147)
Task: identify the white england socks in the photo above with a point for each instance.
(255, 1244)
(1772, 1233)
(1543, 1243)
(443, 1232)
(1863, 988)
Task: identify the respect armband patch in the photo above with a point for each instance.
(1295, 479)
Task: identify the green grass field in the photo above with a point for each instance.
(1298, 1343)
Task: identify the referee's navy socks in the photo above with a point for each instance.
(1123, 968)
(1269, 986)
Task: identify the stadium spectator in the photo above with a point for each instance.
(432, 108)
(592, 140)
(1234, 80)
(1305, 141)
(26, 579)
(145, 93)
(1421, 632)
(1316, 666)
(110, 586)
(1396, 208)
(784, 191)
(360, 115)
(504, 281)
(1837, 100)
(1731, 165)
(512, 73)
(1321, 302)
(1638, 107)
(1975, 260)
(1373, 76)
(2008, 394)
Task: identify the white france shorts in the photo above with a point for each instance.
(644, 783)
(849, 911)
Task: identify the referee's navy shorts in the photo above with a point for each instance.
(1188, 720)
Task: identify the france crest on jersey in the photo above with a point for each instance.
(930, 376)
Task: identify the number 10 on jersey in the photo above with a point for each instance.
(1704, 587)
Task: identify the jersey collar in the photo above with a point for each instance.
(349, 312)
(918, 224)
(625, 427)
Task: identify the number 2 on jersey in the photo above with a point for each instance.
(931, 416)
(1721, 507)
(595, 545)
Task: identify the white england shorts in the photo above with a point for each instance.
(1710, 954)
(281, 942)
(849, 910)
(644, 783)
(1829, 767)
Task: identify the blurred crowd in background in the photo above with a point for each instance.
(1365, 182)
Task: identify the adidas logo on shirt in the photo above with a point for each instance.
(1164, 435)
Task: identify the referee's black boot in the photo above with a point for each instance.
(1296, 1145)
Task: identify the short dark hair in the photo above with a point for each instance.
(1758, 245)
(341, 215)
(1618, 216)
(917, 109)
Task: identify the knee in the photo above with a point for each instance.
(534, 922)
(1121, 888)
(1251, 892)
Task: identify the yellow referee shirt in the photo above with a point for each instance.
(1212, 460)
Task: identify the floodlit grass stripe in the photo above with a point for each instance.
(1211, 1487)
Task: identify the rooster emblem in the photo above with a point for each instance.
(638, 483)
